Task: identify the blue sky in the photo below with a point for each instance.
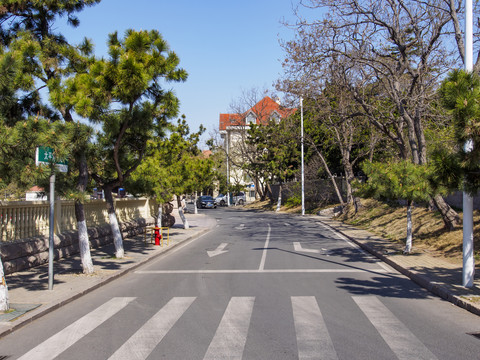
(226, 46)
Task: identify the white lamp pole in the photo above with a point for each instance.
(228, 169)
(303, 170)
(468, 259)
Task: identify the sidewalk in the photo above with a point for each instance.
(28, 290)
(434, 274)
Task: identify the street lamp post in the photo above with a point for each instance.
(303, 170)
(228, 170)
(468, 259)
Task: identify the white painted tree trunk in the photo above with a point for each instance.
(112, 216)
(117, 236)
(408, 242)
(181, 214)
(84, 246)
(83, 241)
(195, 204)
(279, 202)
(4, 304)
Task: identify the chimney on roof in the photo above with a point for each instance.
(277, 100)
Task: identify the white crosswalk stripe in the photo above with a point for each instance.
(399, 338)
(229, 340)
(65, 338)
(313, 339)
(141, 344)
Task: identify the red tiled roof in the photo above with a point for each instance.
(263, 111)
(36, 188)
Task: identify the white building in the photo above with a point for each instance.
(233, 130)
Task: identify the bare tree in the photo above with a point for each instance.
(394, 55)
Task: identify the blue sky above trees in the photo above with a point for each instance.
(225, 46)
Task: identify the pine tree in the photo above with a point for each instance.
(124, 95)
(400, 180)
(31, 55)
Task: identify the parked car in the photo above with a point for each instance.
(221, 200)
(206, 201)
(239, 198)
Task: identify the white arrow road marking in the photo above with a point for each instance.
(218, 251)
(298, 247)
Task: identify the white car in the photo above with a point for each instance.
(221, 200)
(238, 199)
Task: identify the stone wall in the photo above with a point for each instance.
(23, 254)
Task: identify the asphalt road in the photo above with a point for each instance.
(258, 286)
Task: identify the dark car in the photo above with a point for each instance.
(206, 201)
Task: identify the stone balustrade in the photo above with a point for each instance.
(24, 228)
(26, 219)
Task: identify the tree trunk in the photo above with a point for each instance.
(349, 175)
(279, 202)
(408, 242)
(332, 178)
(259, 189)
(268, 192)
(348, 181)
(117, 235)
(158, 219)
(4, 304)
(182, 215)
(83, 241)
(449, 216)
(195, 211)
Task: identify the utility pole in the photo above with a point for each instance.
(303, 170)
(228, 169)
(51, 242)
(468, 259)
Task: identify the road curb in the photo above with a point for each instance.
(419, 279)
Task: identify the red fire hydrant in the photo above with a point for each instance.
(158, 236)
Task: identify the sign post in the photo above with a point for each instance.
(44, 156)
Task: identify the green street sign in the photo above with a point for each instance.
(44, 155)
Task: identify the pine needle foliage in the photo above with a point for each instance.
(401, 180)
(460, 95)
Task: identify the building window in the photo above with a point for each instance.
(275, 117)
(251, 118)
